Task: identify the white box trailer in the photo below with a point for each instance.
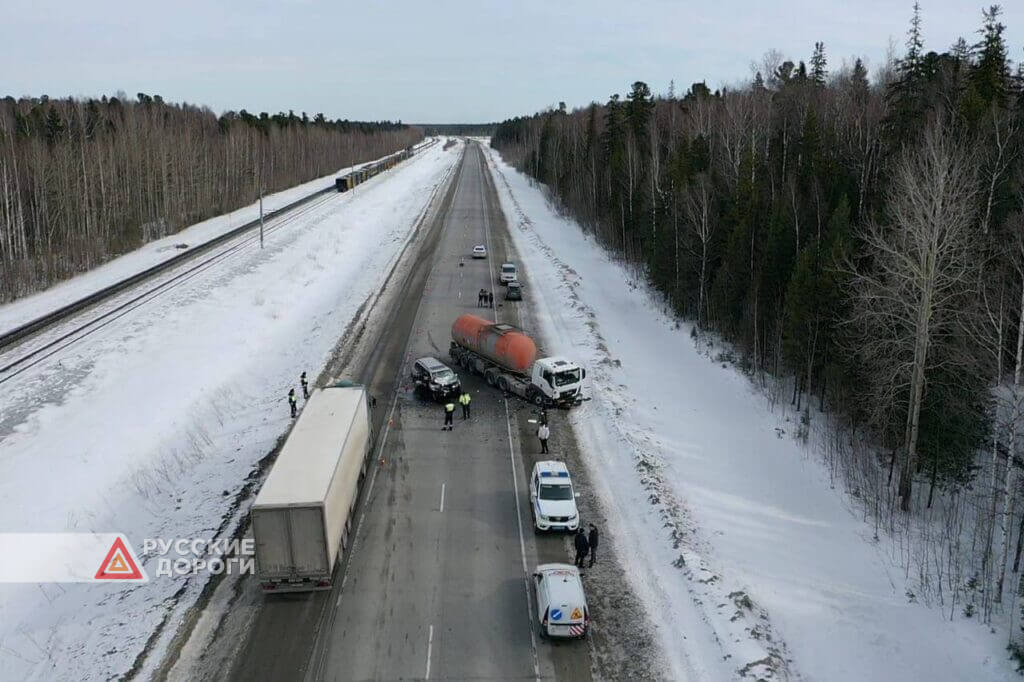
(302, 515)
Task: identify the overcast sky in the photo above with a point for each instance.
(439, 60)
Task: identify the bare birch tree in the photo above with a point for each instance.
(918, 271)
(698, 208)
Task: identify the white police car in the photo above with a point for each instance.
(552, 498)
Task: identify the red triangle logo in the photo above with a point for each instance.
(119, 564)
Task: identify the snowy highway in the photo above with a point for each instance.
(727, 551)
(436, 583)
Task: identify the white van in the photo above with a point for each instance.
(561, 604)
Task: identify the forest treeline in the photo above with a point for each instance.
(857, 238)
(84, 180)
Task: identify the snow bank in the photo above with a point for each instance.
(743, 553)
(151, 426)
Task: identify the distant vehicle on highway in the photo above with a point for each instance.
(300, 516)
(509, 273)
(552, 499)
(514, 292)
(479, 251)
(507, 358)
(433, 377)
(561, 604)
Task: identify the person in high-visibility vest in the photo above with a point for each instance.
(464, 400)
(449, 412)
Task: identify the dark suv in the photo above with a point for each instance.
(431, 376)
(514, 292)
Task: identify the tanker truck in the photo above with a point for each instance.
(507, 357)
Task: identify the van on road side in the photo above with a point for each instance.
(561, 605)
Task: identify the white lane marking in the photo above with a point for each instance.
(515, 478)
(369, 489)
(522, 541)
(430, 646)
(442, 497)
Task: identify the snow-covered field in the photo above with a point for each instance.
(31, 307)
(749, 562)
(163, 415)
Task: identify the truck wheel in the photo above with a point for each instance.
(538, 398)
(491, 378)
(503, 384)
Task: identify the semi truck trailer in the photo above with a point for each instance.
(301, 517)
(507, 357)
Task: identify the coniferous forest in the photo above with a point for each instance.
(857, 240)
(85, 180)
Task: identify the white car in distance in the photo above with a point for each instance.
(509, 273)
(479, 251)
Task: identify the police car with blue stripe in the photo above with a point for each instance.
(552, 498)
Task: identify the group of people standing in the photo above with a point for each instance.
(464, 399)
(586, 545)
(293, 401)
(485, 299)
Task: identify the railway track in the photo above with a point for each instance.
(189, 269)
(181, 268)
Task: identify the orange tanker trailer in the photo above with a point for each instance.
(507, 357)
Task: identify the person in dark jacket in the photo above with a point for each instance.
(582, 547)
(292, 402)
(305, 386)
(593, 543)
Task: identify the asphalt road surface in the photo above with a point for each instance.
(436, 582)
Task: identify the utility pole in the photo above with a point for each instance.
(261, 216)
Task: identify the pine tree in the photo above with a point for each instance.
(54, 126)
(991, 74)
(859, 80)
(819, 64)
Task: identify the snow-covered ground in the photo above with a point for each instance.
(155, 252)
(162, 416)
(749, 562)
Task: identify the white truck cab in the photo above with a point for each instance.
(561, 605)
(552, 497)
(557, 381)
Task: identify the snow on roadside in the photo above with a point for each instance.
(36, 305)
(749, 563)
(172, 410)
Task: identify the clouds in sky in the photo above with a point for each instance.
(443, 60)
